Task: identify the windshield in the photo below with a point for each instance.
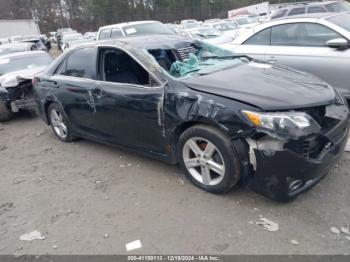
(205, 32)
(242, 21)
(338, 7)
(191, 25)
(225, 26)
(147, 28)
(342, 20)
(12, 64)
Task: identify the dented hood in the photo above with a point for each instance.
(7, 80)
(265, 86)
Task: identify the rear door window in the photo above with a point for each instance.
(80, 63)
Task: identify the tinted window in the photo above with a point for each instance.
(105, 34)
(279, 13)
(118, 67)
(297, 11)
(261, 38)
(81, 63)
(116, 33)
(302, 34)
(316, 9)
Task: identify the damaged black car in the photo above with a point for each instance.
(224, 118)
(16, 73)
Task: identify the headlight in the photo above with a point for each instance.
(284, 125)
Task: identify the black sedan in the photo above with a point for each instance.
(224, 118)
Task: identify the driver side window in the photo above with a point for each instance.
(117, 66)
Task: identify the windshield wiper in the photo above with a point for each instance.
(225, 57)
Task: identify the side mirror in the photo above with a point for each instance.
(338, 43)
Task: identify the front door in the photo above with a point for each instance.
(129, 102)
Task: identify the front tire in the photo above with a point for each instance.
(209, 159)
(59, 123)
(5, 113)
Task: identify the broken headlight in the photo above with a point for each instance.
(283, 125)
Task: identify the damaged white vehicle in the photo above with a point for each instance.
(16, 73)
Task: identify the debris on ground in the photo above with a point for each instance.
(129, 165)
(40, 133)
(105, 236)
(221, 247)
(181, 181)
(345, 230)
(267, 224)
(98, 182)
(54, 246)
(348, 238)
(294, 242)
(133, 245)
(34, 235)
(122, 166)
(335, 230)
(2, 148)
(347, 147)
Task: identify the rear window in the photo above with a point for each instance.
(147, 28)
(105, 34)
(116, 33)
(279, 14)
(297, 11)
(316, 9)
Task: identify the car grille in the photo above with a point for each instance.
(186, 51)
(314, 146)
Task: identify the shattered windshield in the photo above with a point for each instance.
(205, 59)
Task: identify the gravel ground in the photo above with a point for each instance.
(88, 198)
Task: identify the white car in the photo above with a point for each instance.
(227, 28)
(315, 43)
(206, 34)
(132, 28)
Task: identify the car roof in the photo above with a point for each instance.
(310, 15)
(23, 54)
(128, 24)
(141, 41)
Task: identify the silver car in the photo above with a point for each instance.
(317, 44)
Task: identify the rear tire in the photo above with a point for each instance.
(209, 159)
(5, 113)
(59, 123)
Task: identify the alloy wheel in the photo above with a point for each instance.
(203, 161)
(58, 124)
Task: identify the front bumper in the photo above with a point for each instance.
(284, 175)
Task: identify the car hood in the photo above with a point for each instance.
(6, 79)
(265, 86)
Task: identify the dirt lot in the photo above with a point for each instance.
(88, 198)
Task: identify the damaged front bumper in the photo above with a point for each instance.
(282, 172)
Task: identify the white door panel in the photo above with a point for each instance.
(329, 64)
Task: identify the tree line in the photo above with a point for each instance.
(89, 15)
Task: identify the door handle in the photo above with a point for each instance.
(272, 59)
(52, 83)
(98, 92)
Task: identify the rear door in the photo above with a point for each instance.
(304, 46)
(74, 83)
